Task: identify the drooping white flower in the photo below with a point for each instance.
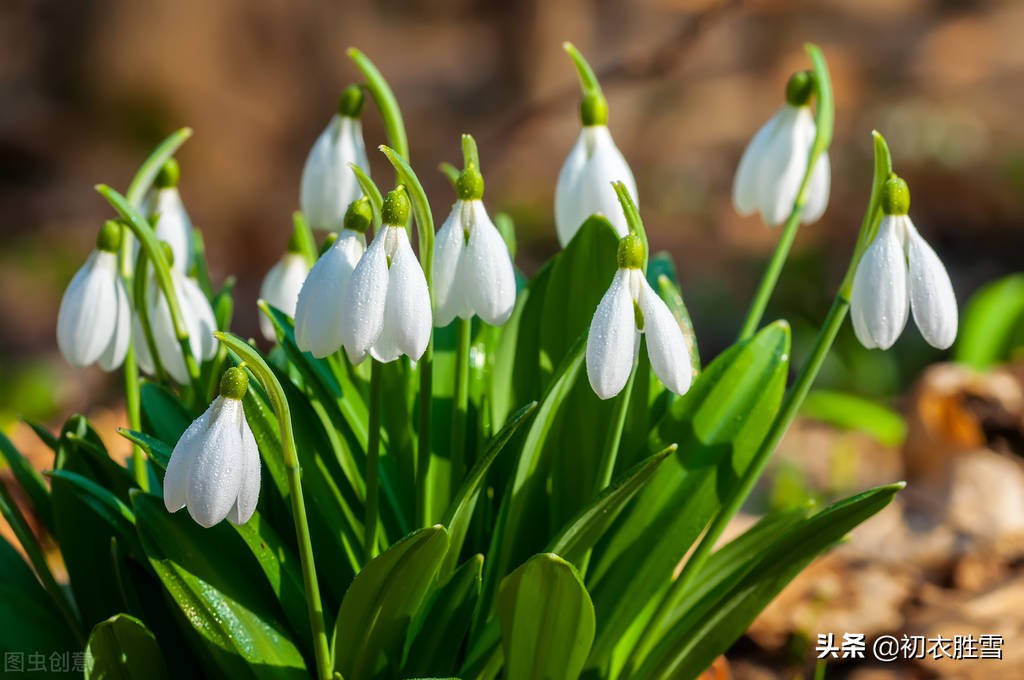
(281, 286)
(214, 468)
(328, 185)
(173, 225)
(631, 307)
(773, 165)
(900, 274)
(385, 309)
(473, 271)
(584, 184)
(199, 321)
(94, 322)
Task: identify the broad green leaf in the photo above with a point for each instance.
(158, 451)
(29, 480)
(547, 620)
(993, 324)
(163, 416)
(713, 623)
(212, 578)
(374, 616)
(437, 631)
(108, 507)
(460, 513)
(122, 648)
(850, 412)
(717, 425)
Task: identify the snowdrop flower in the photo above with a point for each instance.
(385, 309)
(94, 322)
(631, 307)
(173, 225)
(472, 267)
(281, 285)
(900, 273)
(772, 167)
(584, 184)
(214, 468)
(328, 185)
(318, 310)
(197, 316)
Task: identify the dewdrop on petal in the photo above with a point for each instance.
(94, 322)
(328, 185)
(385, 308)
(900, 274)
(214, 469)
(173, 225)
(473, 272)
(773, 165)
(318, 319)
(281, 286)
(631, 307)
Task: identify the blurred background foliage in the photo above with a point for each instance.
(87, 88)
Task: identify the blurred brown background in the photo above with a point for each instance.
(87, 88)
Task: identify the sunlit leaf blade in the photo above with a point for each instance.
(850, 412)
(158, 451)
(547, 620)
(993, 324)
(123, 648)
(374, 617)
(29, 480)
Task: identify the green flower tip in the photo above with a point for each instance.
(470, 184)
(895, 196)
(165, 247)
(594, 109)
(360, 214)
(395, 211)
(799, 88)
(350, 104)
(631, 252)
(234, 383)
(109, 238)
(328, 242)
(168, 175)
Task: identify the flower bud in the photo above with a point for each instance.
(895, 196)
(395, 211)
(350, 104)
(799, 88)
(168, 176)
(593, 109)
(631, 252)
(234, 383)
(359, 215)
(109, 238)
(470, 184)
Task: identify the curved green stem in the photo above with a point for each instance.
(450, 172)
(470, 155)
(279, 402)
(824, 122)
(304, 237)
(636, 225)
(588, 79)
(460, 402)
(372, 463)
(371, 191)
(385, 100)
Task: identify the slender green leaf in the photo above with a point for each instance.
(993, 324)
(158, 451)
(437, 631)
(30, 481)
(108, 507)
(122, 648)
(44, 435)
(850, 412)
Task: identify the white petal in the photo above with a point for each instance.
(280, 288)
(173, 226)
(489, 280)
(199, 318)
(164, 337)
(249, 491)
(88, 311)
(879, 303)
(818, 190)
(113, 355)
(584, 184)
(183, 456)
(666, 346)
(931, 292)
(318, 326)
(613, 340)
(328, 184)
(744, 186)
(215, 473)
(449, 246)
(142, 355)
(362, 301)
(407, 317)
(785, 160)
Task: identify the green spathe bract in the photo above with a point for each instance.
(478, 514)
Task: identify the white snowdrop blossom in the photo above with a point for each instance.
(631, 307)
(900, 274)
(385, 309)
(173, 225)
(584, 184)
(214, 468)
(773, 165)
(328, 184)
(280, 288)
(199, 321)
(473, 271)
(94, 322)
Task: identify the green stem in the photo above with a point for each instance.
(279, 402)
(304, 237)
(460, 402)
(385, 100)
(132, 405)
(372, 463)
(588, 79)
